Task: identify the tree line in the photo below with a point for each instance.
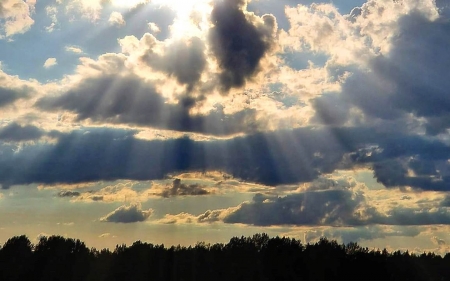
(243, 258)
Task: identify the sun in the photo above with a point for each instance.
(191, 15)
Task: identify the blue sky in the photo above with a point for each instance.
(179, 121)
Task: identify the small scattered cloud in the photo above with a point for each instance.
(74, 49)
(67, 193)
(52, 12)
(128, 214)
(50, 62)
(116, 19)
(181, 189)
(154, 28)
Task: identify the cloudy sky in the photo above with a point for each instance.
(197, 120)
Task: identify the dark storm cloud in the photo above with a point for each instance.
(276, 158)
(129, 100)
(8, 96)
(398, 177)
(183, 59)
(17, 132)
(397, 156)
(239, 41)
(128, 214)
(410, 79)
(181, 189)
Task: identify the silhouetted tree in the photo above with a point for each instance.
(16, 259)
(59, 258)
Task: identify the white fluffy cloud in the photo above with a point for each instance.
(116, 19)
(15, 16)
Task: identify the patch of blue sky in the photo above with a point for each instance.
(277, 7)
(301, 60)
(26, 53)
(287, 100)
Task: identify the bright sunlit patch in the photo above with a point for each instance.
(185, 7)
(128, 3)
(191, 16)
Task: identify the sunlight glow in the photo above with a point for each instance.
(128, 3)
(185, 7)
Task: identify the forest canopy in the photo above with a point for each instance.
(258, 257)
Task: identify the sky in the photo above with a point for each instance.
(174, 122)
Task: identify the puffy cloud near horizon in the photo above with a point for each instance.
(354, 209)
(128, 214)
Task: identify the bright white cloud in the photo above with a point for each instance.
(153, 27)
(15, 16)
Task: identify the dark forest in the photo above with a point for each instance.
(243, 258)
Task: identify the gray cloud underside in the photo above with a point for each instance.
(181, 189)
(130, 100)
(8, 96)
(185, 60)
(281, 157)
(16, 132)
